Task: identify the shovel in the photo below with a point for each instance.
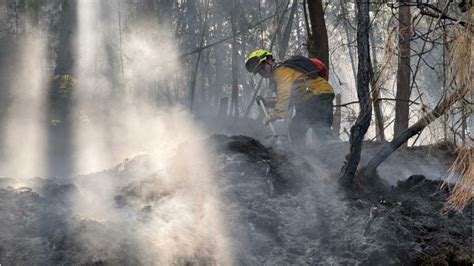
(282, 142)
(265, 112)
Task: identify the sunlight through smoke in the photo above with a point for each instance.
(167, 208)
(26, 123)
(90, 94)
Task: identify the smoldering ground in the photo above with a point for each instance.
(273, 209)
(284, 208)
(146, 188)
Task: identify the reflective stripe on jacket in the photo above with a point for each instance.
(295, 86)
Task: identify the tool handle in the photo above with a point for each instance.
(260, 102)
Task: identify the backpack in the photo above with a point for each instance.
(321, 67)
(312, 67)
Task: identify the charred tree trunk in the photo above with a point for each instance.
(390, 147)
(403, 74)
(318, 37)
(362, 123)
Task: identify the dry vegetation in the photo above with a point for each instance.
(462, 193)
(461, 69)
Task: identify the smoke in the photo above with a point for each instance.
(168, 208)
(25, 127)
(165, 200)
(161, 203)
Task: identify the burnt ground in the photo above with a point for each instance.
(280, 208)
(389, 225)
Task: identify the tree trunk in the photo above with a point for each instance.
(318, 37)
(202, 80)
(348, 37)
(120, 31)
(235, 73)
(8, 50)
(223, 106)
(362, 123)
(375, 89)
(398, 141)
(298, 29)
(286, 35)
(403, 73)
(220, 75)
(192, 87)
(379, 124)
(279, 23)
(210, 83)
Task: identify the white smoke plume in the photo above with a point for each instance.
(26, 123)
(169, 207)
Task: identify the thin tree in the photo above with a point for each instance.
(403, 73)
(375, 87)
(362, 123)
(287, 33)
(192, 87)
(235, 73)
(347, 28)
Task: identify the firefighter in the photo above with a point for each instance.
(300, 82)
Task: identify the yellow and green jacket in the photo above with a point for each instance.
(294, 87)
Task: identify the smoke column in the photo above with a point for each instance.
(168, 209)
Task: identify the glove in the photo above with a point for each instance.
(268, 119)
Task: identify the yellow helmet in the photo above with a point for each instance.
(255, 59)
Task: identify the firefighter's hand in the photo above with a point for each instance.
(270, 102)
(269, 119)
(267, 102)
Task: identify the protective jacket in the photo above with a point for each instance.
(297, 81)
